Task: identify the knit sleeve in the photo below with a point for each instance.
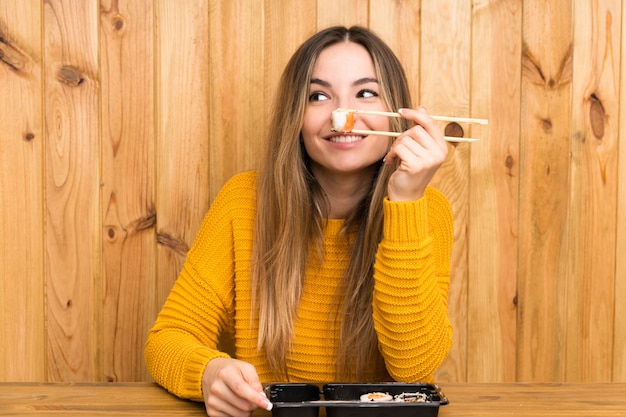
(185, 335)
(412, 276)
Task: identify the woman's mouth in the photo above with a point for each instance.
(346, 138)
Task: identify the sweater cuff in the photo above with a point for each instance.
(196, 364)
(405, 220)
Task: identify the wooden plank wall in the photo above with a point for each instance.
(121, 119)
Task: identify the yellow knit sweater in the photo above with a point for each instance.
(213, 295)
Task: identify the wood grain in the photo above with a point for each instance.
(73, 233)
(128, 186)
(182, 130)
(593, 191)
(494, 188)
(525, 400)
(237, 121)
(22, 324)
(444, 89)
(291, 23)
(399, 24)
(619, 329)
(346, 12)
(471, 400)
(94, 400)
(544, 190)
(121, 120)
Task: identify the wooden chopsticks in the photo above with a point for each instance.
(394, 114)
(441, 118)
(383, 133)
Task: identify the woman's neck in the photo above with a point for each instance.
(343, 193)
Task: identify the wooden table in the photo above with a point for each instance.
(467, 400)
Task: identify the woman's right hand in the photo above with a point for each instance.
(417, 153)
(231, 387)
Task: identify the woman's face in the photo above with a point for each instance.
(344, 77)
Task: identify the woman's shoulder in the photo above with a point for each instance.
(237, 194)
(245, 179)
(241, 185)
(234, 203)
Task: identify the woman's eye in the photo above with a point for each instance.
(367, 94)
(317, 96)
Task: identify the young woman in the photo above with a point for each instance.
(331, 263)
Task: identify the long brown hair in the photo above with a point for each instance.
(291, 212)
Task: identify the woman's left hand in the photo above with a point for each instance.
(418, 153)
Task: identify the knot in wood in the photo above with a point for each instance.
(508, 162)
(118, 23)
(70, 76)
(596, 116)
(11, 56)
(454, 129)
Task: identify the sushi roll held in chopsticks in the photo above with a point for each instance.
(342, 120)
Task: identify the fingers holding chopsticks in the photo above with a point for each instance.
(417, 154)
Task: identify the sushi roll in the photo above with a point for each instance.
(412, 397)
(342, 121)
(376, 396)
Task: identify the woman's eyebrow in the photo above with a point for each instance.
(320, 82)
(360, 81)
(365, 80)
